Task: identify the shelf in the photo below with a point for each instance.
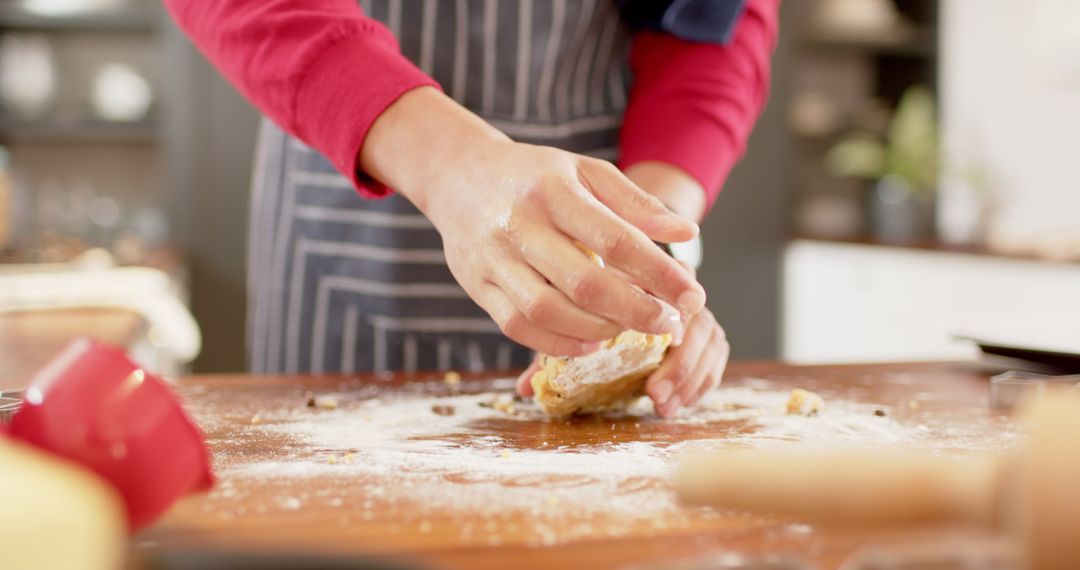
(914, 42)
(86, 131)
(129, 20)
(932, 245)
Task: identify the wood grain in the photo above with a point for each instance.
(951, 393)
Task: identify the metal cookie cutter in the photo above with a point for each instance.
(10, 402)
(1011, 388)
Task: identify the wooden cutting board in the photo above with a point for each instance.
(460, 477)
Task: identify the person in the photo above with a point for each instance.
(480, 135)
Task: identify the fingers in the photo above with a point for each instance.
(517, 326)
(626, 248)
(692, 369)
(666, 385)
(631, 203)
(524, 381)
(716, 373)
(547, 307)
(597, 290)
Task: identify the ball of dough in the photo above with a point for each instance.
(56, 514)
(605, 380)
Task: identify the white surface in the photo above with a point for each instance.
(1010, 87)
(143, 290)
(856, 303)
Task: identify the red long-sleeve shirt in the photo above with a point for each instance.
(691, 105)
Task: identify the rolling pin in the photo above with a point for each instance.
(1032, 495)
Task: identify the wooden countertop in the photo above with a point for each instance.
(425, 516)
(29, 339)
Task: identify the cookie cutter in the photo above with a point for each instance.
(1013, 387)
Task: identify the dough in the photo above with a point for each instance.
(804, 403)
(56, 514)
(608, 379)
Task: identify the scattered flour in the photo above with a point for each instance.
(478, 459)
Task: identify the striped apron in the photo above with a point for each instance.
(339, 283)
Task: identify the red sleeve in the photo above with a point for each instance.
(320, 69)
(692, 104)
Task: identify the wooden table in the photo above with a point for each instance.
(29, 339)
(340, 514)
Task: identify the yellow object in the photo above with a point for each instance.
(56, 514)
(804, 403)
(608, 379)
(605, 380)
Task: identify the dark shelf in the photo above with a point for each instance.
(913, 42)
(86, 131)
(127, 20)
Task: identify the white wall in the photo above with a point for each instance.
(1010, 79)
(859, 303)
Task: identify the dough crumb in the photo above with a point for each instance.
(452, 378)
(324, 402)
(804, 403)
(504, 405)
(442, 410)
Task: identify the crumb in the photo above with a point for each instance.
(913, 404)
(452, 378)
(349, 457)
(441, 410)
(505, 454)
(256, 419)
(504, 405)
(879, 413)
(326, 403)
(309, 397)
(804, 403)
(331, 460)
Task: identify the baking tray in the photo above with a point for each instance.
(1062, 361)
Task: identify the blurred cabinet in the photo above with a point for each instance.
(854, 303)
(851, 62)
(83, 88)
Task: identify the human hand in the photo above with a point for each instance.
(692, 368)
(689, 370)
(510, 214)
(695, 366)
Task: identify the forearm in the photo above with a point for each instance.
(419, 135)
(676, 188)
(693, 105)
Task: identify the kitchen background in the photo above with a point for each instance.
(911, 181)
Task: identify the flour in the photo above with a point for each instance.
(457, 456)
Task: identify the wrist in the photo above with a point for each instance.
(420, 136)
(679, 191)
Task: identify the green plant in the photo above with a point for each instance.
(908, 150)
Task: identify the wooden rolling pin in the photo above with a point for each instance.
(1032, 495)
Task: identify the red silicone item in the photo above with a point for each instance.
(94, 406)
